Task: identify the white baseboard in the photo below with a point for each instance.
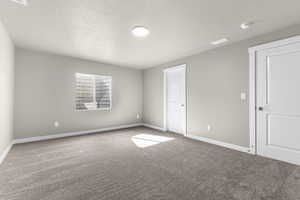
(208, 140)
(5, 152)
(154, 127)
(62, 135)
(222, 144)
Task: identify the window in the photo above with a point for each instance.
(93, 92)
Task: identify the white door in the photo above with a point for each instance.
(175, 99)
(278, 103)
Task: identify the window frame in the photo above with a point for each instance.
(94, 96)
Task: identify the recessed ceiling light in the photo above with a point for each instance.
(221, 41)
(140, 31)
(22, 2)
(246, 25)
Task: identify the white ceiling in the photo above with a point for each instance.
(101, 29)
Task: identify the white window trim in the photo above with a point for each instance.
(94, 97)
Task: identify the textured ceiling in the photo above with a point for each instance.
(101, 29)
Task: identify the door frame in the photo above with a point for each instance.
(182, 66)
(252, 85)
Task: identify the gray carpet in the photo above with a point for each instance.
(111, 166)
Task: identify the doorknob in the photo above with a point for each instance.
(182, 105)
(260, 108)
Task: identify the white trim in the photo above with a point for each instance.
(62, 135)
(222, 144)
(252, 101)
(274, 44)
(5, 152)
(175, 67)
(252, 84)
(208, 140)
(154, 127)
(165, 96)
(185, 102)
(165, 101)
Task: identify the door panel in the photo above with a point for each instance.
(283, 82)
(175, 99)
(278, 122)
(283, 132)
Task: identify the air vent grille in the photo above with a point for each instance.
(22, 2)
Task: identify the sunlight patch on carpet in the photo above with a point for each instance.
(147, 140)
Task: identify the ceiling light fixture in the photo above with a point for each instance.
(140, 31)
(246, 25)
(221, 41)
(22, 2)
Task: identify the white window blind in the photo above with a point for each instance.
(93, 92)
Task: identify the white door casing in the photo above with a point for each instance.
(175, 99)
(278, 102)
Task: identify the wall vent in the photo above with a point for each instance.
(22, 2)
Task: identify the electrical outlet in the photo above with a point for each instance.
(56, 124)
(208, 127)
(138, 116)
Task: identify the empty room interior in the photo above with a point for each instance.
(149, 99)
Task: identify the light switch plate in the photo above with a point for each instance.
(243, 96)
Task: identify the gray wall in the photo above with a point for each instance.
(45, 91)
(214, 81)
(6, 89)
